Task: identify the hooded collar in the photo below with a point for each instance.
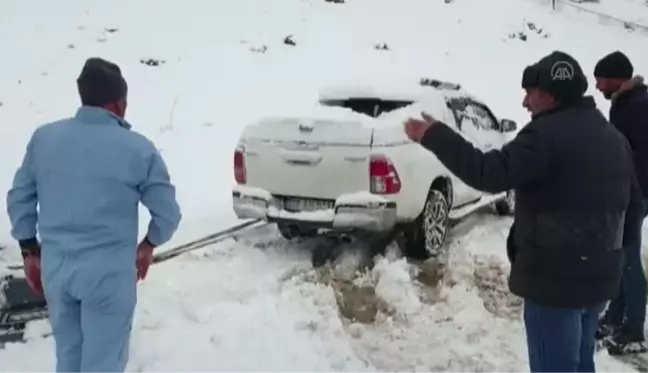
(97, 115)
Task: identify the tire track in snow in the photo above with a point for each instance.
(253, 314)
(416, 320)
(258, 305)
(460, 317)
(396, 295)
(441, 326)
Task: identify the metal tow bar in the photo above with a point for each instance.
(207, 240)
(19, 304)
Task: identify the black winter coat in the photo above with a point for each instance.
(629, 114)
(573, 177)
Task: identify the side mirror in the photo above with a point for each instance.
(508, 125)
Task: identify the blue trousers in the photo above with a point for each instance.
(629, 307)
(561, 339)
(91, 315)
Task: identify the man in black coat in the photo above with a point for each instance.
(574, 182)
(622, 327)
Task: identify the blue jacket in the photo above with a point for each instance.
(87, 174)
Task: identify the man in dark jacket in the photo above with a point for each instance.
(571, 199)
(622, 327)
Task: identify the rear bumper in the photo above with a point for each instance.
(370, 213)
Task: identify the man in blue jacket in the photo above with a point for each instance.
(87, 174)
(622, 327)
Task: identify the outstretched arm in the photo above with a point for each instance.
(521, 161)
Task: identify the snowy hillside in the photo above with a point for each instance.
(198, 71)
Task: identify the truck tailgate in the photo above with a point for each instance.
(310, 158)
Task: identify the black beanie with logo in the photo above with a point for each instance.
(615, 65)
(559, 74)
(101, 83)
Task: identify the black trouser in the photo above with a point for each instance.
(629, 308)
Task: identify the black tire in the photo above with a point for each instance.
(284, 231)
(427, 235)
(506, 206)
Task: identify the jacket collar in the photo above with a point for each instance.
(586, 102)
(97, 115)
(628, 88)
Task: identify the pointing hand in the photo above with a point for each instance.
(416, 128)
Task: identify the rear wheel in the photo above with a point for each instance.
(427, 235)
(284, 231)
(506, 206)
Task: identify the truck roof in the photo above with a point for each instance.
(400, 90)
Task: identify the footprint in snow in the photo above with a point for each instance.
(491, 280)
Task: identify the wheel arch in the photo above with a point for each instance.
(415, 245)
(444, 185)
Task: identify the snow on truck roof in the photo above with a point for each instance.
(403, 90)
(318, 113)
(411, 93)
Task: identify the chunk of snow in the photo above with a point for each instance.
(360, 198)
(388, 87)
(37, 329)
(315, 216)
(395, 287)
(318, 113)
(398, 117)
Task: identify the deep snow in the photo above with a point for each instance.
(255, 304)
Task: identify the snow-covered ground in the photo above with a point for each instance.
(255, 304)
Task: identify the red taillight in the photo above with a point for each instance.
(239, 166)
(383, 176)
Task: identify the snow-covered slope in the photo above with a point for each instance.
(632, 14)
(255, 304)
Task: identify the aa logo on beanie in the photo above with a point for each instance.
(562, 70)
(558, 74)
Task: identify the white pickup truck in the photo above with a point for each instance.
(347, 165)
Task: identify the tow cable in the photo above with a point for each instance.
(19, 304)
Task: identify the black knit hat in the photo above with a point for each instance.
(615, 65)
(559, 74)
(101, 83)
